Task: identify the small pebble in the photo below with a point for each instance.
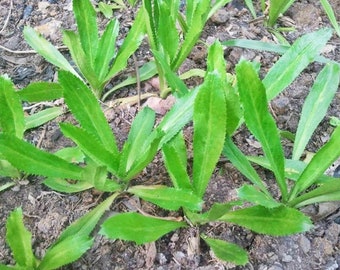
(221, 16)
(27, 11)
(337, 172)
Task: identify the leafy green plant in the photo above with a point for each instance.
(169, 44)
(95, 56)
(217, 113)
(74, 241)
(13, 121)
(254, 96)
(278, 7)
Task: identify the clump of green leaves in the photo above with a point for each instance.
(12, 119)
(278, 7)
(96, 57)
(171, 45)
(74, 241)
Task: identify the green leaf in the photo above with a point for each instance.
(87, 26)
(234, 112)
(259, 120)
(257, 197)
(47, 50)
(131, 43)
(219, 209)
(138, 228)
(240, 161)
(195, 28)
(41, 91)
(168, 198)
(42, 117)
(331, 16)
(318, 165)
(209, 121)
(106, 49)
(179, 115)
(315, 106)
(145, 158)
(91, 146)
(12, 115)
(278, 221)
(137, 142)
(276, 8)
(327, 192)
(72, 41)
(30, 159)
(289, 66)
(19, 239)
(86, 224)
(86, 109)
(227, 251)
(175, 159)
(167, 31)
(65, 186)
(65, 252)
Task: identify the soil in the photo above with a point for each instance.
(47, 213)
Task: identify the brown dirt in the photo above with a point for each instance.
(47, 213)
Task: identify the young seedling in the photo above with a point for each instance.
(170, 44)
(74, 241)
(96, 56)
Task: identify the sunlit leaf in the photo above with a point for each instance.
(278, 221)
(41, 91)
(167, 197)
(42, 117)
(138, 228)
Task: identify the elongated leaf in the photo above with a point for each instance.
(289, 66)
(106, 49)
(41, 91)
(209, 120)
(175, 159)
(179, 115)
(276, 8)
(259, 121)
(86, 224)
(90, 146)
(62, 185)
(168, 198)
(87, 26)
(234, 111)
(278, 221)
(47, 50)
(216, 5)
(239, 160)
(227, 251)
(42, 117)
(65, 252)
(199, 18)
(85, 108)
(72, 41)
(30, 159)
(167, 31)
(257, 197)
(319, 163)
(130, 44)
(136, 143)
(138, 228)
(315, 106)
(327, 192)
(144, 159)
(12, 115)
(331, 15)
(19, 239)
